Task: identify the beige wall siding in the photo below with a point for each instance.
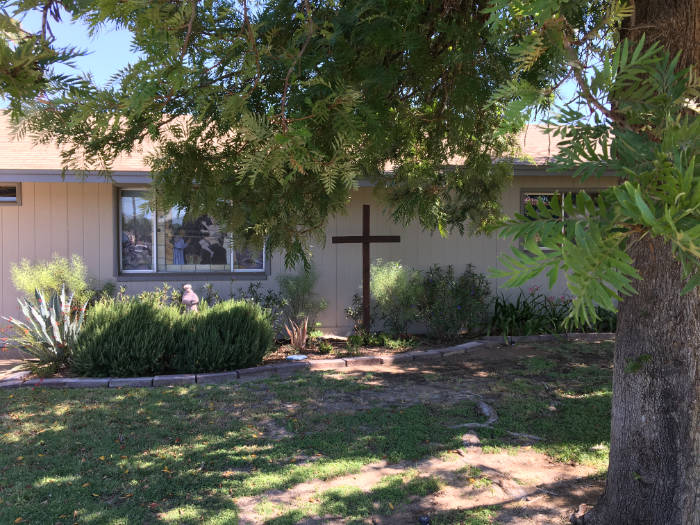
(57, 218)
(68, 218)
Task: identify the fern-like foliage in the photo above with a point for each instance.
(634, 118)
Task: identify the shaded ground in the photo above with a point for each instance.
(359, 447)
(10, 359)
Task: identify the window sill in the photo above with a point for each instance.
(192, 276)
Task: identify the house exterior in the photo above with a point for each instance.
(42, 213)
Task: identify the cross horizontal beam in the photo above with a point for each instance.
(360, 238)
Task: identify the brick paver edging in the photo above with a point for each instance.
(18, 379)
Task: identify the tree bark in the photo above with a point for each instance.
(654, 471)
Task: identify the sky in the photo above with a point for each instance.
(109, 50)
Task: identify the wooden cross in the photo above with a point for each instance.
(365, 239)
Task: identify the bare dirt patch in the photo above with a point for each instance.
(519, 485)
(528, 487)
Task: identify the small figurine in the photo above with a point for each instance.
(189, 298)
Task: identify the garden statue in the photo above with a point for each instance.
(189, 298)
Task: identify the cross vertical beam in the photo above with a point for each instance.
(365, 239)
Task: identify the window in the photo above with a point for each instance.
(184, 242)
(9, 193)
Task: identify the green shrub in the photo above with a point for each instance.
(229, 335)
(271, 301)
(136, 337)
(355, 341)
(448, 305)
(300, 301)
(324, 347)
(51, 276)
(395, 291)
(126, 338)
(529, 314)
(354, 312)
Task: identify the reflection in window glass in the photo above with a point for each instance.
(248, 257)
(136, 225)
(191, 243)
(184, 241)
(8, 194)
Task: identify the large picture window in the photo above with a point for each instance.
(184, 242)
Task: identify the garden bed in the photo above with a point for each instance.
(341, 348)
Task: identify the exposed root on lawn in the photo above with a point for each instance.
(491, 417)
(486, 410)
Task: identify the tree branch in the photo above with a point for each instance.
(189, 29)
(285, 89)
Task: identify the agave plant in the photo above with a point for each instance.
(49, 331)
(297, 333)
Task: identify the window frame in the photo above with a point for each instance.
(252, 273)
(18, 193)
(154, 260)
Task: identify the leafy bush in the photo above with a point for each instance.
(52, 276)
(271, 301)
(530, 314)
(324, 347)
(534, 313)
(300, 300)
(448, 305)
(395, 291)
(131, 337)
(229, 335)
(606, 322)
(354, 312)
(134, 337)
(50, 331)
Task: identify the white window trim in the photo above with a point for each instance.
(248, 270)
(154, 254)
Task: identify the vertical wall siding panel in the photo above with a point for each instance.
(42, 221)
(75, 217)
(58, 192)
(91, 228)
(107, 217)
(27, 226)
(349, 277)
(323, 259)
(9, 242)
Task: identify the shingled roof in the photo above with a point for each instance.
(537, 148)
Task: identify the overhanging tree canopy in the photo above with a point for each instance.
(266, 115)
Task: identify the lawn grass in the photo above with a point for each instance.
(184, 454)
(564, 398)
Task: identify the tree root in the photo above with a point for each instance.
(491, 418)
(531, 437)
(486, 410)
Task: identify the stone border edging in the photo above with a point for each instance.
(17, 379)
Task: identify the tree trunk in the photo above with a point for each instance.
(654, 472)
